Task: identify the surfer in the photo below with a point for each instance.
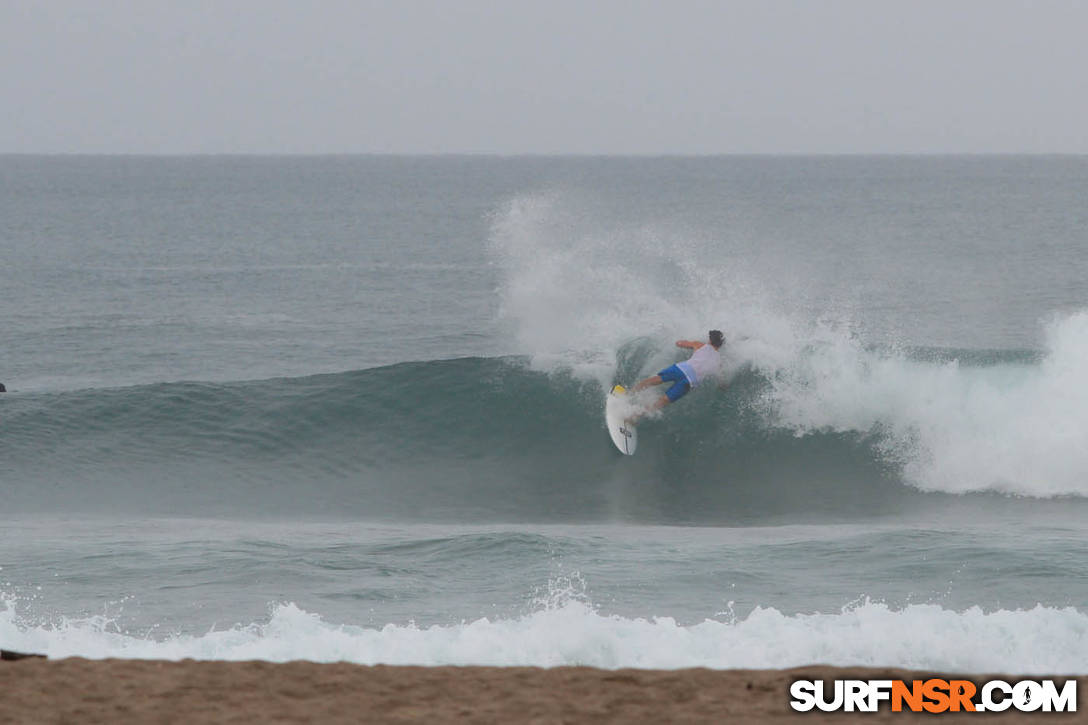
(705, 362)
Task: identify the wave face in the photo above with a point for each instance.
(835, 431)
(458, 439)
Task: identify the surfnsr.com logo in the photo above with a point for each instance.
(933, 695)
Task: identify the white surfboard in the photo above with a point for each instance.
(616, 408)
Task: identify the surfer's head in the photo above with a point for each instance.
(716, 338)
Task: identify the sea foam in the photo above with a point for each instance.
(1037, 640)
(1011, 427)
(578, 290)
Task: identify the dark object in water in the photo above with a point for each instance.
(7, 654)
(2, 388)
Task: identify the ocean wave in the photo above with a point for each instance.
(604, 298)
(838, 430)
(571, 632)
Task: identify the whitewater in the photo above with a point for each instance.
(350, 409)
(550, 595)
(921, 636)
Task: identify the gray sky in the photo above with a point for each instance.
(543, 76)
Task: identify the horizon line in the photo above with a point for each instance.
(533, 154)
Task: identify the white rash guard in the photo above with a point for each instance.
(705, 363)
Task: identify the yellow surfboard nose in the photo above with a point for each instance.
(618, 390)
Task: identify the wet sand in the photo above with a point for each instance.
(140, 691)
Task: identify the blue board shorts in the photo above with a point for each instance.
(680, 384)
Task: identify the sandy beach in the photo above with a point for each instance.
(114, 691)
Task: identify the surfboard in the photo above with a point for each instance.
(616, 408)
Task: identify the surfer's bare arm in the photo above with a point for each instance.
(693, 344)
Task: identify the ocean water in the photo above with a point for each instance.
(350, 408)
